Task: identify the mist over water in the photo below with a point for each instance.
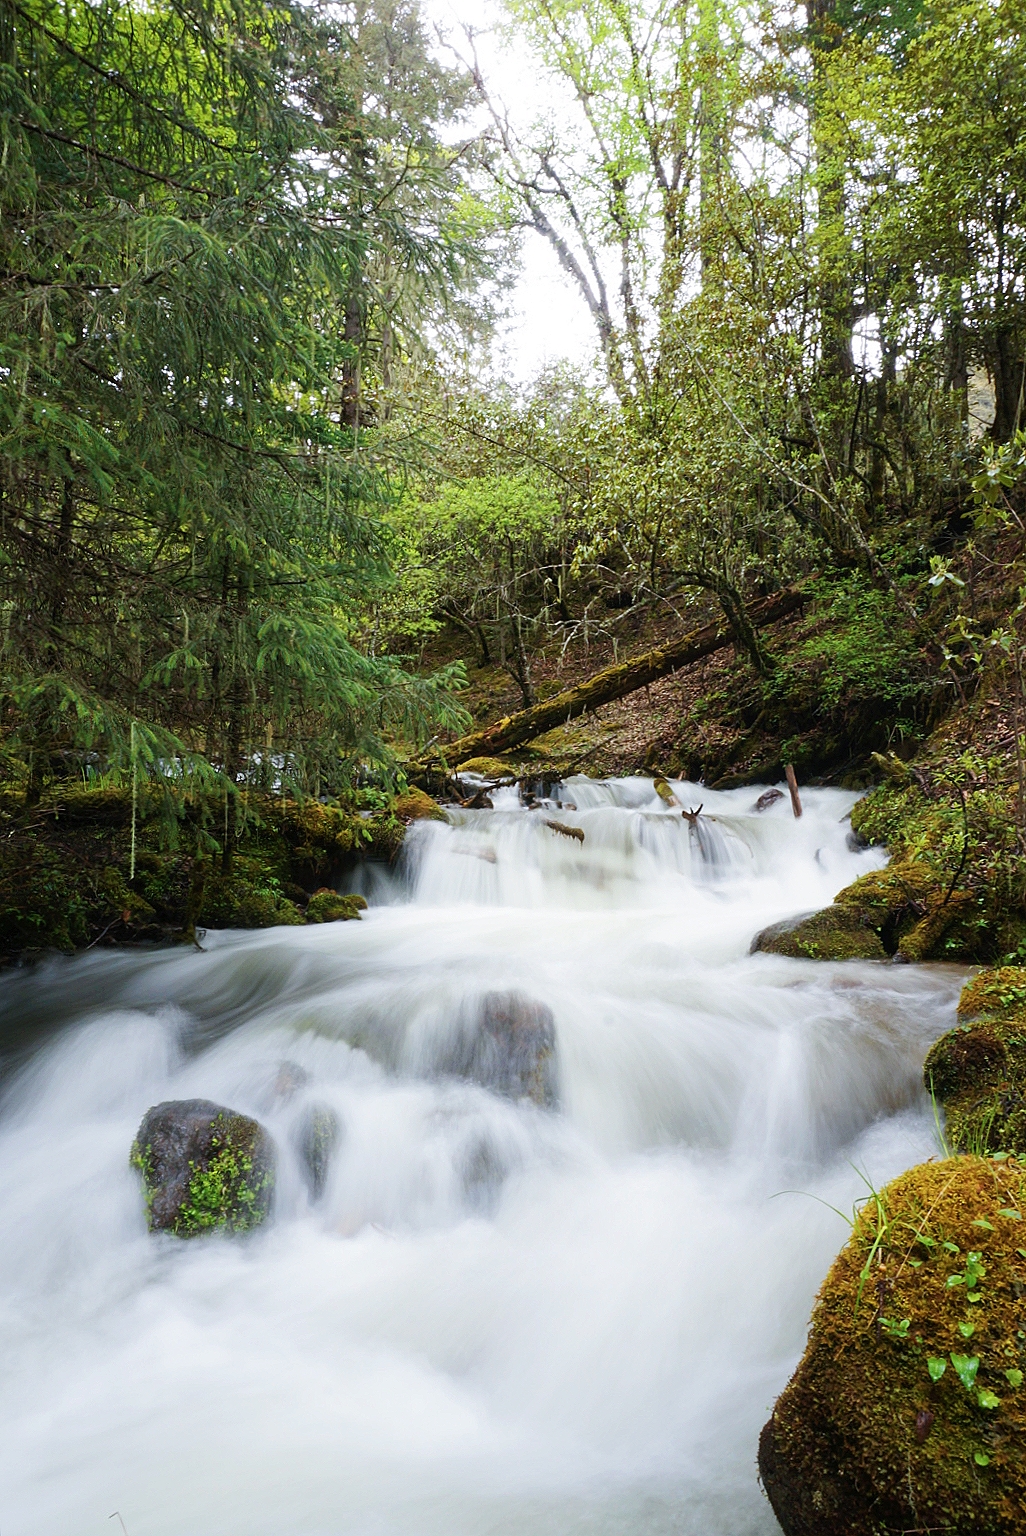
(498, 1320)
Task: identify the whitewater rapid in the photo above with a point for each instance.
(499, 1320)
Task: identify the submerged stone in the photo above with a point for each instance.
(204, 1167)
(509, 1045)
(908, 1409)
(317, 1135)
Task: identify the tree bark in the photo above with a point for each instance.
(615, 682)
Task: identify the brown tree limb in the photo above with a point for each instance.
(615, 682)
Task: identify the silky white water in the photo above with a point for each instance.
(498, 1320)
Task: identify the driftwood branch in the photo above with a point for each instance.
(614, 682)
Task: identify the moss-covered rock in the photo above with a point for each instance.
(908, 1410)
(953, 888)
(204, 1167)
(836, 933)
(487, 768)
(415, 805)
(327, 906)
(977, 1071)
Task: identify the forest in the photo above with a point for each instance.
(300, 560)
(274, 523)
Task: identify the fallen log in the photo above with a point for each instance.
(613, 683)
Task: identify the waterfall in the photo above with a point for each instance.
(502, 1315)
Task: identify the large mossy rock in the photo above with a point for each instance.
(836, 933)
(908, 1410)
(204, 1167)
(977, 1071)
(415, 805)
(508, 1045)
(904, 910)
(327, 906)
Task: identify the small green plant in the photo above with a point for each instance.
(965, 1367)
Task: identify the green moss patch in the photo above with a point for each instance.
(908, 1410)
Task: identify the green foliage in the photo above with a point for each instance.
(227, 1194)
(188, 523)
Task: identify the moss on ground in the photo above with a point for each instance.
(908, 1410)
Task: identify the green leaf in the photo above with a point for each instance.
(936, 1367)
(967, 1330)
(987, 1399)
(986, 1225)
(981, 1459)
(1014, 1377)
(1010, 1214)
(974, 1295)
(966, 1367)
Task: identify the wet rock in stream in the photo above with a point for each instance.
(317, 1134)
(204, 1167)
(508, 1044)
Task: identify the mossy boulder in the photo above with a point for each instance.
(977, 1071)
(204, 1167)
(836, 933)
(487, 768)
(953, 888)
(327, 906)
(908, 1409)
(415, 805)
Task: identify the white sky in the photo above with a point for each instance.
(550, 321)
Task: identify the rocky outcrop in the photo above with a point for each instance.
(508, 1044)
(977, 1071)
(908, 1409)
(204, 1167)
(317, 1134)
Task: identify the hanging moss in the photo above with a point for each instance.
(908, 1410)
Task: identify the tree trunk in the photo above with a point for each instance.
(615, 682)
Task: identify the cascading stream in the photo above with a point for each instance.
(498, 1318)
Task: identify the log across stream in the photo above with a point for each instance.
(558, 1318)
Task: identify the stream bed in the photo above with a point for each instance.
(497, 1319)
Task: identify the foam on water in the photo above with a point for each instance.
(498, 1320)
